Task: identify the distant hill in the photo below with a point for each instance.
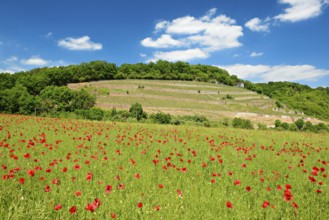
(15, 89)
(188, 98)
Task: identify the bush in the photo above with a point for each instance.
(285, 126)
(300, 124)
(95, 114)
(242, 123)
(161, 118)
(136, 111)
(277, 123)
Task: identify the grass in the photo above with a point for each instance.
(177, 97)
(201, 169)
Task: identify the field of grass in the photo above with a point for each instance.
(186, 98)
(62, 169)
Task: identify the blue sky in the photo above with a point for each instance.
(257, 40)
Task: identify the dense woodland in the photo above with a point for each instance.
(43, 90)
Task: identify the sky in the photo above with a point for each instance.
(257, 40)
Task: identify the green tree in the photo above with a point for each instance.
(136, 111)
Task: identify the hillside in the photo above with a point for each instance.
(188, 98)
(43, 91)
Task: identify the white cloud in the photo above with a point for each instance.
(180, 55)
(142, 55)
(49, 34)
(10, 60)
(255, 54)
(200, 36)
(82, 43)
(35, 61)
(12, 69)
(258, 25)
(165, 41)
(266, 73)
(299, 10)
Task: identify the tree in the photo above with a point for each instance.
(300, 124)
(136, 111)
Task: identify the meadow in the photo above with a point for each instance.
(63, 169)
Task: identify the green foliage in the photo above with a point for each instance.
(313, 102)
(161, 118)
(136, 110)
(300, 124)
(262, 126)
(242, 123)
(277, 123)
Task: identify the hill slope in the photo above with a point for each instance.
(188, 98)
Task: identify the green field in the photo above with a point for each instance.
(62, 169)
(187, 98)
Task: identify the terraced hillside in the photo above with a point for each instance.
(187, 98)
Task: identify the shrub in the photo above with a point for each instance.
(136, 111)
(161, 118)
(300, 124)
(242, 123)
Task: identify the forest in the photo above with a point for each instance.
(43, 90)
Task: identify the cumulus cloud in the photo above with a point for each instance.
(255, 54)
(257, 25)
(266, 73)
(181, 55)
(165, 41)
(14, 64)
(299, 10)
(35, 61)
(80, 43)
(200, 36)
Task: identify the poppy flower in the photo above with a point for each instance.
(180, 193)
(108, 189)
(73, 210)
(248, 188)
(113, 215)
(160, 186)
(313, 180)
(237, 182)
(57, 207)
(140, 205)
(64, 170)
(137, 176)
(47, 188)
(229, 205)
(294, 205)
(78, 193)
(287, 196)
(265, 204)
(21, 180)
(157, 208)
(31, 172)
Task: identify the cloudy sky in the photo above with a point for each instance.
(257, 40)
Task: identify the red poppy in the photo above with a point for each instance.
(21, 180)
(313, 180)
(47, 188)
(180, 193)
(160, 186)
(248, 188)
(137, 176)
(140, 205)
(265, 204)
(229, 205)
(64, 169)
(287, 196)
(31, 172)
(113, 215)
(294, 205)
(108, 189)
(237, 182)
(89, 176)
(78, 193)
(97, 202)
(57, 207)
(121, 186)
(73, 210)
(157, 208)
